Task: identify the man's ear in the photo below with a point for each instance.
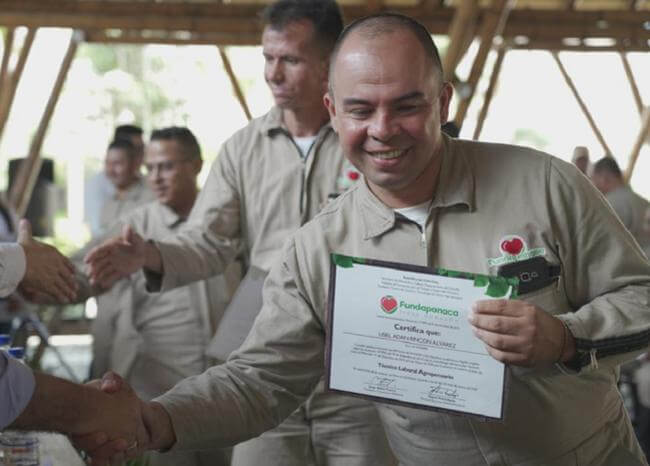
(445, 99)
(328, 100)
(197, 164)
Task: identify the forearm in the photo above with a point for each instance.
(61, 406)
(192, 256)
(152, 258)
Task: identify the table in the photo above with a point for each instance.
(56, 450)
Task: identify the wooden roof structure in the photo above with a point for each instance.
(555, 25)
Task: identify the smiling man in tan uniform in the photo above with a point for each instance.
(484, 205)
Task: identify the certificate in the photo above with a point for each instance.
(399, 334)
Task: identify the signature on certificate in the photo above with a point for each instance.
(436, 391)
(382, 382)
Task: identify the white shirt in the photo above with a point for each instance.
(417, 213)
(16, 388)
(12, 267)
(304, 144)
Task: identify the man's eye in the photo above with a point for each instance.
(291, 60)
(406, 108)
(359, 112)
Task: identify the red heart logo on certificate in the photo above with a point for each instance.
(512, 246)
(388, 304)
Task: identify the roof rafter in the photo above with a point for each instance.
(230, 24)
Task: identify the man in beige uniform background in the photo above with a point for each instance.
(122, 168)
(485, 205)
(632, 209)
(269, 179)
(159, 339)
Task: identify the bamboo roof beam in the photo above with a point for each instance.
(21, 191)
(461, 33)
(12, 79)
(493, 24)
(234, 81)
(373, 6)
(644, 135)
(6, 55)
(431, 4)
(582, 104)
(632, 81)
(494, 78)
(235, 19)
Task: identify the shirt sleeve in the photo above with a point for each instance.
(607, 276)
(275, 369)
(12, 267)
(16, 386)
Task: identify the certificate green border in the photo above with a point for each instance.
(496, 287)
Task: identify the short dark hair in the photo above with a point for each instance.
(183, 136)
(388, 22)
(126, 131)
(607, 165)
(325, 15)
(123, 145)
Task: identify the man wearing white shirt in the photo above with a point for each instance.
(32, 266)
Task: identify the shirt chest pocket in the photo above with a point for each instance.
(551, 298)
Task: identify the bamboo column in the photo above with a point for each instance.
(644, 134)
(461, 32)
(13, 78)
(6, 55)
(632, 81)
(21, 191)
(234, 82)
(581, 103)
(494, 78)
(492, 26)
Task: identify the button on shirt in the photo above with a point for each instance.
(16, 388)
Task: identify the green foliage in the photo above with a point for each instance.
(102, 57)
(529, 137)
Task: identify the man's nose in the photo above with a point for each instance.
(274, 72)
(382, 127)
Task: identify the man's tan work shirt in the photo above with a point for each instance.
(165, 334)
(259, 191)
(634, 212)
(121, 204)
(487, 195)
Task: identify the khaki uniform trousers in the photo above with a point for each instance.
(452, 442)
(327, 430)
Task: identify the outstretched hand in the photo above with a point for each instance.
(116, 258)
(48, 272)
(520, 333)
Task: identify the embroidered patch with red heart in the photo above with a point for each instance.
(388, 304)
(512, 246)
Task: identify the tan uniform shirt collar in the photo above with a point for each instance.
(170, 218)
(273, 123)
(455, 187)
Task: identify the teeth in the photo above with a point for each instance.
(393, 154)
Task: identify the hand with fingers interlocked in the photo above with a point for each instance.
(111, 447)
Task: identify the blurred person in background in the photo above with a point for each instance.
(581, 159)
(158, 339)
(99, 188)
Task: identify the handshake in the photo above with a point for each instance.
(121, 426)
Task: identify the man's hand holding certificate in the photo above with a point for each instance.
(401, 334)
